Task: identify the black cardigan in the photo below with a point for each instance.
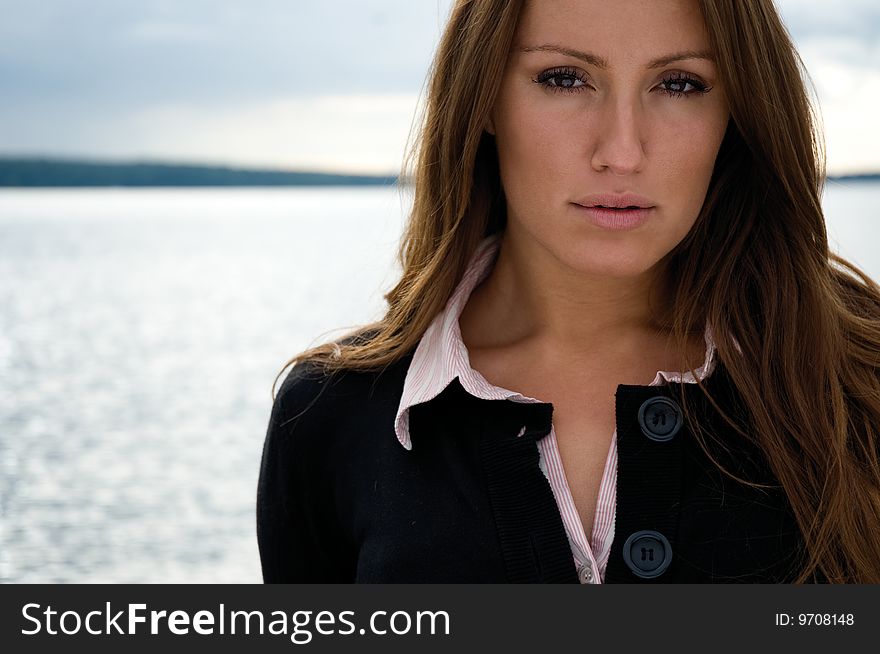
(340, 500)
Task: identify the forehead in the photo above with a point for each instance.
(617, 30)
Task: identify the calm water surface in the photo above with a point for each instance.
(140, 332)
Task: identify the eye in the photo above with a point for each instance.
(561, 80)
(677, 85)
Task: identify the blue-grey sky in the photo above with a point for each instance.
(319, 84)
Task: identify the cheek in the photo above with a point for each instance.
(536, 149)
(686, 158)
(529, 139)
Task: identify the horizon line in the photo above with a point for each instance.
(261, 168)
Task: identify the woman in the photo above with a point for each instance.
(621, 350)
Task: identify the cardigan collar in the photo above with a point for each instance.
(441, 355)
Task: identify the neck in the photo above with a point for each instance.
(532, 297)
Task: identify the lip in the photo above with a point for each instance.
(616, 200)
(613, 213)
(615, 219)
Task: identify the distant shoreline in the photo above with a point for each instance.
(866, 177)
(73, 173)
(44, 172)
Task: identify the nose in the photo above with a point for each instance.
(618, 145)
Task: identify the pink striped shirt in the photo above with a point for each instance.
(441, 356)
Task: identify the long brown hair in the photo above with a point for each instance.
(796, 326)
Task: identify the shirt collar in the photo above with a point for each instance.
(441, 355)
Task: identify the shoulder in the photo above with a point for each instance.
(311, 398)
(307, 381)
(299, 392)
(322, 423)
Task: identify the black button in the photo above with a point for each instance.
(647, 553)
(660, 418)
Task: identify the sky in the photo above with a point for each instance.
(330, 85)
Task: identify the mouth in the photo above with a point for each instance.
(615, 201)
(627, 208)
(615, 217)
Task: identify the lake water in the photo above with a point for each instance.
(140, 332)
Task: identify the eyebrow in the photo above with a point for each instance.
(602, 63)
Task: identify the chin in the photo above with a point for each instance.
(608, 261)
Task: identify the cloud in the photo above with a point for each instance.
(853, 19)
(312, 82)
(167, 32)
(153, 50)
(361, 133)
(839, 45)
(848, 108)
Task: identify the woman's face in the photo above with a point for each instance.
(612, 114)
